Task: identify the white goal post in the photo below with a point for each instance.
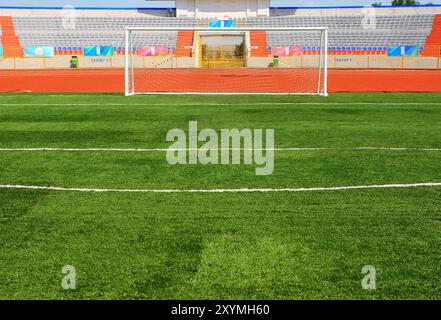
(242, 60)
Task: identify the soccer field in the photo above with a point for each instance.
(278, 239)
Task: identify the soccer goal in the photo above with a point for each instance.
(192, 60)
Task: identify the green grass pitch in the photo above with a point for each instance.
(306, 245)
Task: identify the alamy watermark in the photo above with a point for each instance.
(369, 19)
(69, 281)
(226, 147)
(369, 281)
(68, 17)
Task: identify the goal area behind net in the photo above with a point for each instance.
(226, 61)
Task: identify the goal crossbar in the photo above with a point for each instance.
(323, 58)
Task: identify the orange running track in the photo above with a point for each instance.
(93, 80)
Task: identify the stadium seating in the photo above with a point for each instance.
(99, 23)
(94, 31)
(400, 22)
(347, 35)
(102, 38)
(351, 31)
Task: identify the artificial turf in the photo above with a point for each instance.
(309, 245)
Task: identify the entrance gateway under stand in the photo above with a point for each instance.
(222, 50)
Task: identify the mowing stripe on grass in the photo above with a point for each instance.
(220, 149)
(243, 190)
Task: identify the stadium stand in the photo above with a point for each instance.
(346, 32)
(94, 31)
(407, 38)
(418, 28)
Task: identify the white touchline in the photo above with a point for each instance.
(227, 104)
(202, 149)
(242, 190)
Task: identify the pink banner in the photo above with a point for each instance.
(153, 51)
(286, 51)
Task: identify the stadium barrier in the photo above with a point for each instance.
(383, 62)
(350, 62)
(305, 61)
(422, 63)
(30, 63)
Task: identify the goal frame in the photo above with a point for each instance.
(322, 65)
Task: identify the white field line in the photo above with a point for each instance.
(227, 104)
(218, 149)
(243, 190)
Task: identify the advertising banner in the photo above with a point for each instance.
(38, 51)
(153, 51)
(222, 24)
(403, 51)
(95, 51)
(286, 51)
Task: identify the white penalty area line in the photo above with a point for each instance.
(216, 149)
(243, 190)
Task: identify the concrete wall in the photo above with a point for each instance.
(382, 62)
(94, 62)
(58, 62)
(334, 61)
(253, 62)
(185, 8)
(222, 9)
(422, 63)
(349, 62)
(7, 64)
(30, 63)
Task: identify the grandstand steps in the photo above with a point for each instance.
(434, 37)
(433, 42)
(184, 42)
(258, 43)
(10, 42)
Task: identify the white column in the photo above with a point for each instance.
(325, 80)
(126, 74)
(196, 9)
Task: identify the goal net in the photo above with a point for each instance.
(226, 60)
